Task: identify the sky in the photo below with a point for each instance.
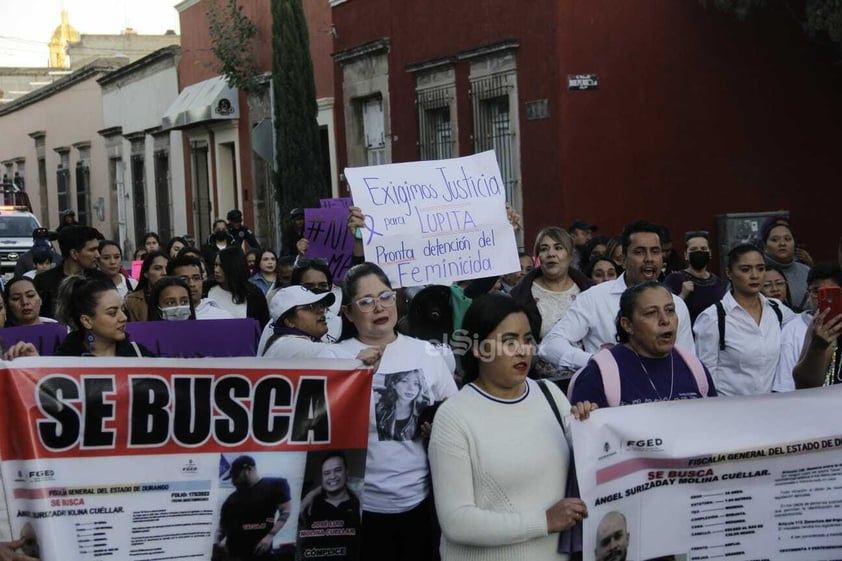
(28, 25)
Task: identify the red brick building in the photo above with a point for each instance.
(223, 168)
(695, 114)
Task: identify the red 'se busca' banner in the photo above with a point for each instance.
(152, 459)
(114, 407)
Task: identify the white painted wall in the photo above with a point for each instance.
(136, 103)
(69, 116)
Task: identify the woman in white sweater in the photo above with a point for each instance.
(498, 453)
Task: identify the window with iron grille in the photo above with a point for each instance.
(493, 130)
(162, 194)
(374, 130)
(63, 181)
(139, 196)
(436, 140)
(83, 187)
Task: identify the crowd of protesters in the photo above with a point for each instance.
(633, 318)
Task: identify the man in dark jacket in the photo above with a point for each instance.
(79, 246)
(239, 231)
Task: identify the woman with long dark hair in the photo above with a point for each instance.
(267, 265)
(231, 289)
(23, 304)
(111, 263)
(153, 268)
(175, 245)
(397, 509)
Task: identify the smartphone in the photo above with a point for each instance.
(830, 297)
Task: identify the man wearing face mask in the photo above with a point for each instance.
(698, 287)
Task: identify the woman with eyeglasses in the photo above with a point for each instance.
(298, 324)
(775, 285)
(397, 508)
(315, 276)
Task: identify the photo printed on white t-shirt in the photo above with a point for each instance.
(400, 397)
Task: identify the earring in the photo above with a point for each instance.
(89, 339)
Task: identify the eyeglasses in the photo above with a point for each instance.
(775, 284)
(315, 307)
(367, 304)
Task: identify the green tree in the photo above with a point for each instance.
(299, 179)
(232, 34)
(821, 20)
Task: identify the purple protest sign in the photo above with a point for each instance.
(330, 239)
(46, 336)
(198, 338)
(172, 339)
(338, 202)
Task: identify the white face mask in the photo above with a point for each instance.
(175, 313)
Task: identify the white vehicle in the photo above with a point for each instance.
(16, 225)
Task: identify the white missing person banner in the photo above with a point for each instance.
(736, 478)
(435, 222)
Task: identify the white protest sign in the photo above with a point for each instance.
(716, 478)
(435, 222)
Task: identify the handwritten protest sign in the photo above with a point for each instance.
(435, 222)
(330, 239)
(722, 478)
(145, 458)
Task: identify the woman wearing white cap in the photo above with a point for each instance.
(298, 323)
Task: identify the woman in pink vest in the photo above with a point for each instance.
(646, 366)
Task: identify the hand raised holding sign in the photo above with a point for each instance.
(356, 221)
(514, 218)
(301, 246)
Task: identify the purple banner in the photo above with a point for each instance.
(46, 336)
(198, 338)
(170, 339)
(330, 239)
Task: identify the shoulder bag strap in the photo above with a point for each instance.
(720, 320)
(778, 312)
(546, 391)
